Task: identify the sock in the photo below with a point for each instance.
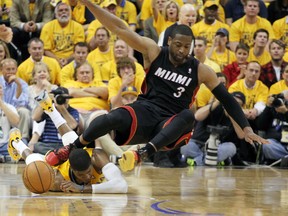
(34, 157)
(69, 138)
(20, 146)
(56, 117)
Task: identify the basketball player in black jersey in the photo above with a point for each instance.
(161, 116)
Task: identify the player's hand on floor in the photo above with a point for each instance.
(68, 186)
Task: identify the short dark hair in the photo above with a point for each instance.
(36, 40)
(182, 30)
(79, 159)
(202, 39)
(260, 30)
(124, 62)
(81, 44)
(242, 46)
(102, 27)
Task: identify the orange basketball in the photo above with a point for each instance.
(38, 177)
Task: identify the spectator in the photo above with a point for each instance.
(50, 139)
(219, 52)
(9, 119)
(27, 19)
(126, 77)
(235, 71)
(81, 51)
(109, 69)
(36, 51)
(5, 7)
(256, 93)
(258, 52)
(199, 52)
(273, 70)
(16, 94)
(103, 52)
(209, 25)
(165, 17)
(59, 42)
(281, 85)
(243, 29)
(187, 16)
(4, 51)
(234, 10)
(280, 28)
(88, 95)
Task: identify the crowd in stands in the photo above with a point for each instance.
(59, 46)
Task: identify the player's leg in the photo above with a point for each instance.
(182, 123)
(17, 148)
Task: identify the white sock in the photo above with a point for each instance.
(69, 138)
(56, 117)
(34, 157)
(20, 146)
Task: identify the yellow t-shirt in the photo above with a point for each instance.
(161, 24)
(8, 4)
(25, 69)
(78, 12)
(64, 169)
(97, 58)
(60, 40)
(203, 96)
(115, 84)
(208, 31)
(280, 28)
(278, 87)
(109, 70)
(213, 65)
(86, 103)
(94, 25)
(241, 31)
(263, 59)
(128, 13)
(257, 94)
(223, 59)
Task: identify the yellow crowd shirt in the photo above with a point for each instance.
(98, 58)
(25, 69)
(280, 28)
(223, 59)
(216, 68)
(262, 59)
(259, 93)
(87, 103)
(203, 96)
(60, 40)
(241, 31)
(278, 87)
(128, 12)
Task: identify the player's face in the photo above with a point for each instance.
(179, 48)
(253, 72)
(84, 74)
(80, 54)
(36, 51)
(241, 56)
(188, 17)
(252, 8)
(276, 51)
(120, 49)
(84, 176)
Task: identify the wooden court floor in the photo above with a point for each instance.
(246, 191)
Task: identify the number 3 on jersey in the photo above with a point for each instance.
(179, 93)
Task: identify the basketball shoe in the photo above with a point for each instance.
(59, 156)
(14, 136)
(131, 158)
(45, 101)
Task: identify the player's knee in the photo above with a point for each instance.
(187, 116)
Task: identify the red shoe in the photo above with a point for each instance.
(59, 156)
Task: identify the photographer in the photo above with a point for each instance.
(50, 139)
(274, 120)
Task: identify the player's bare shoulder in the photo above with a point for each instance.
(207, 76)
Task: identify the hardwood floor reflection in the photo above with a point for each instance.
(258, 191)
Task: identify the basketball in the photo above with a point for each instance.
(38, 177)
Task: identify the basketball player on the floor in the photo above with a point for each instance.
(160, 117)
(84, 171)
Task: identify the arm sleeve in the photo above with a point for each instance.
(115, 181)
(230, 105)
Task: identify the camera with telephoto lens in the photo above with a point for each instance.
(61, 95)
(279, 100)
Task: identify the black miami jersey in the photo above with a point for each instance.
(170, 88)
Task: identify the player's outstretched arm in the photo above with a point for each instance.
(142, 44)
(209, 78)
